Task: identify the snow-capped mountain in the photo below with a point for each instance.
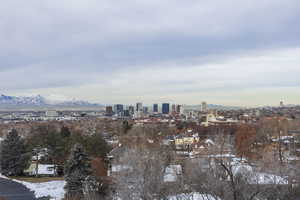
(38, 100)
(77, 103)
(12, 100)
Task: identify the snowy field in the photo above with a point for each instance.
(55, 189)
(193, 196)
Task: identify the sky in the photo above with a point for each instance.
(244, 53)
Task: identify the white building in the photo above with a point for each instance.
(41, 170)
(51, 113)
(204, 106)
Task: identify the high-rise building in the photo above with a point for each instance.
(204, 106)
(109, 110)
(165, 108)
(126, 113)
(155, 108)
(139, 106)
(173, 110)
(281, 104)
(145, 109)
(131, 110)
(179, 109)
(138, 110)
(118, 109)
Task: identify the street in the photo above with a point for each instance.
(11, 190)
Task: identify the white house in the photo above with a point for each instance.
(172, 172)
(41, 170)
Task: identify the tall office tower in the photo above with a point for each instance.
(179, 109)
(204, 106)
(109, 110)
(131, 110)
(139, 106)
(118, 109)
(155, 108)
(165, 108)
(145, 109)
(173, 110)
(126, 113)
(281, 104)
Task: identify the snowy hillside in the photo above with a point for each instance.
(39, 100)
(55, 189)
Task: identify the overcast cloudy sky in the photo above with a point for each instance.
(229, 52)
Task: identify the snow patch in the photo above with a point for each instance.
(193, 196)
(55, 189)
(4, 177)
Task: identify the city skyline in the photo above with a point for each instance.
(38, 101)
(236, 53)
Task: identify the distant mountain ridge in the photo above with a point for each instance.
(39, 100)
(213, 107)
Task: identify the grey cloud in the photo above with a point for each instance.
(72, 41)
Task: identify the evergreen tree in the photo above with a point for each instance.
(14, 158)
(96, 146)
(56, 142)
(77, 168)
(65, 132)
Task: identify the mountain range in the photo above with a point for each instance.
(39, 100)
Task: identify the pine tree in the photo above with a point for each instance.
(14, 158)
(65, 132)
(77, 168)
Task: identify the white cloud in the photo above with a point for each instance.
(257, 79)
(151, 50)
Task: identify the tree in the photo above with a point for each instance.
(139, 173)
(95, 145)
(56, 142)
(228, 178)
(275, 128)
(95, 188)
(65, 132)
(14, 158)
(126, 126)
(77, 169)
(244, 139)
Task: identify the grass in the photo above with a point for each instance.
(38, 179)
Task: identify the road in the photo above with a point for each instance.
(11, 190)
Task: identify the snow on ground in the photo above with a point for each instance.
(171, 173)
(264, 178)
(193, 196)
(1, 176)
(55, 189)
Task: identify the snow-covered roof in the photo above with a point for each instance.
(209, 141)
(174, 169)
(171, 173)
(264, 178)
(43, 169)
(193, 196)
(292, 158)
(226, 155)
(46, 169)
(241, 169)
(119, 168)
(284, 137)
